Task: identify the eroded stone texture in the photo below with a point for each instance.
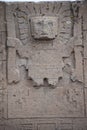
(43, 66)
(44, 52)
(44, 27)
(2, 58)
(46, 42)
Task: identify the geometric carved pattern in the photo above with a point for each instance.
(26, 127)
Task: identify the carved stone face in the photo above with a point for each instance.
(44, 27)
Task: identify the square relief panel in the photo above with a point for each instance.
(44, 27)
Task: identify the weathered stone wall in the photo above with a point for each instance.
(43, 66)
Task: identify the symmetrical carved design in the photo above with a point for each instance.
(45, 50)
(44, 61)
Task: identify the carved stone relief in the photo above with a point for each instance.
(43, 66)
(45, 60)
(44, 27)
(47, 44)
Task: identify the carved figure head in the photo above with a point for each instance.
(44, 27)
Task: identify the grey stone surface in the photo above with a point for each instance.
(44, 27)
(43, 66)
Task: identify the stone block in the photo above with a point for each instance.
(24, 102)
(44, 27)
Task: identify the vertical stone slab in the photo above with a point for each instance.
(46, 50)
(2, 59)
(78, 42)
(79, 63)
(43, 72)
(13, 74)
(85, 56)
(85, 53)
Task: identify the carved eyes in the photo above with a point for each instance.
(42, 23)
